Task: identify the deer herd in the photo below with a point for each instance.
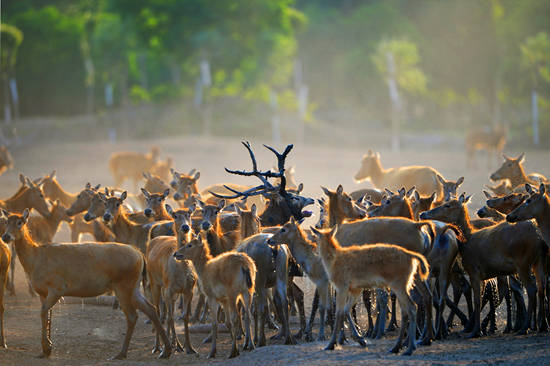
(237, 249)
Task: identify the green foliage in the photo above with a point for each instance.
(535, 57)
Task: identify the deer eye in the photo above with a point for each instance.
(283, 230)
(117, 204)
(19, 223)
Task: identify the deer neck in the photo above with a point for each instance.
(200, 261)
(463, 223)
(18, 202)
(328, 254)
(248, 229)
(519, 177)
(303, 250)
(162, 214)
(123, 227)
(543, 220)
(59, 193)
(335, 215)
(26, 248)
(377, 174)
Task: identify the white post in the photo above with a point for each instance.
(396, 104)
(535, 115)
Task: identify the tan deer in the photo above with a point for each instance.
(305, 253)
(161, 169)
(502, 249)
(6, 161)
(170, 277)
(28, 196)
(82, 270)
(130, 165)
(512, 169)
(42, 229)
(5, 259)
(221, 289)
(424, 178)
(353, 268)
(492, 140)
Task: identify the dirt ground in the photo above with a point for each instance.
(89, 334)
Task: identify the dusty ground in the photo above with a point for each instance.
(88, 335)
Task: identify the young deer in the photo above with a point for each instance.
(305, 253)
(449, 188)
(341, 206)
(221, 289)
(5, 258)
(420, 204)
(424, 178)
(502, 249)
(130, 165)
(356, 267)
(170, 277)
(82, 270)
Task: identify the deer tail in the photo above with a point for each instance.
(247, 277)
(430, 227)
(424, 267)
(459, 235)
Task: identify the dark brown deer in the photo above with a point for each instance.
(495, 251)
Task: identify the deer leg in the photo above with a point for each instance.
(133, 301)
(214, 307)
(541, 281)
(187, 342)
(155, 298)
(324, 299)
(3, 281)
(476, 286)
(525, 277)
(11, 282)
(248, 343)
(314, 306)
(382, 299)
(45, 314)
(354, 332)
(198, 308)
(169, 302)
(298, 296)
(428, 332)
(508, 299)
(368, 306)
(339, 319)
(392, 325)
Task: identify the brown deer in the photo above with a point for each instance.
(5, 259)
(512, 169)
(537, 207)
(492, 140)
(43, 229)
(6, 161)
(28, 196)
(341, 206)
(449, 188)
(170, 277)
(353, 268)
(424, 178)
(221, 289)
(130, 165)
(394, 205)
(420, 204)
(82, 270)
(305, 253)
(502, 249)
(508, 203)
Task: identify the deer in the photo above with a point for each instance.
(53, 191)
(161, 169)
(170, 277)
(492, 140)
(5, 259)
(424, 178)
(512, 169)
(305, 253)
(6, 161)
(394, 205)
(43, 229)
(356, 267)
(502, 249)
(449, 188)
(374, 195)
(506, 204)
(130, 165)
(421, 203)
(221, 289)
(82, 270)
(28, 196)
(501, 189)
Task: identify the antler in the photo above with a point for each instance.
(266, 186)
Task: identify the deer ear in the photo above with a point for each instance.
(26, 214)
(459, 181)
(253, 209)
(401, 191)
(528, 188)
(145, 193)
(542, 188)
(52, 174)
(197, 176)
(326, 190)
(166, 193)
(5, 213)
(411, 191)
(521, 157)
(102, 196)
(238, 210)
(440, 178)
(292, 220)
(22, 179)
(340, 189)
(169, 209)
(300, 188)
(124, 195)
(416, 196)
(487, 194)
(390, 193)
(221, 204)
(200, 203)
(315, 231)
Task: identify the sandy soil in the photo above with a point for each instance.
(88, 335)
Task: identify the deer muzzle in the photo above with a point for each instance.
(7, 238)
